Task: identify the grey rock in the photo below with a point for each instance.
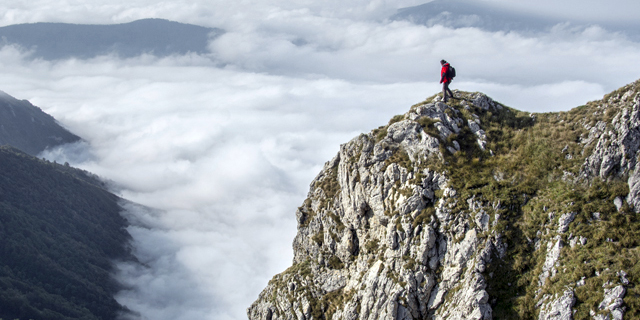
(616, 145)
(581, 282)
(480, 134)
(623, 277)
(553, 254)
(583, 240)
(633, 198)
(618, 203)
(564, 221)
(559, 308)
(485, 102)
(612, 303)
(573, 242)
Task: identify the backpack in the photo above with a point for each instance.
(451, 73)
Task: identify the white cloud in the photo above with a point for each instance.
(225, 156)
(400, 52)
(225, 149)
(215, 13)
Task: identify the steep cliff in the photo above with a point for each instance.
(473, 210)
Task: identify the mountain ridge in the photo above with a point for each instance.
(472, 210)
(28, 128)
(160, 37)
(492, 17)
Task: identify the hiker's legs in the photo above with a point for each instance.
(445, 89)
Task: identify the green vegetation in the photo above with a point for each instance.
(522, 170)
(340, 226)
(58, 238)
(335, 263)
(329, 185)
(325, 307)
(307, 213)
(381, 132)
(372, 246)
(425, 216)
(318, 238)
(401, 158)
(428, 126)
(522, 174)
(303, 269)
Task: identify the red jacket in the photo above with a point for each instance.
(444, 72)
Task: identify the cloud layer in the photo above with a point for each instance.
(224, 146)
(224, 156)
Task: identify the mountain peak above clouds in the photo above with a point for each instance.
(53, 41)
(472, 210)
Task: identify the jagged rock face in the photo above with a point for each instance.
(616, 145)
(453, 212)
(559, 308)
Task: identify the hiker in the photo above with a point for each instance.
(445, 79)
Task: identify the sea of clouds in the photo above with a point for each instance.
(214, 153)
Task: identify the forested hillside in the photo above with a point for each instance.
(59, 235)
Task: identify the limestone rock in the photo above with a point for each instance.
(565, 220)
(616, 146)
(553, 254)
(611, 306)
(393, 228)
(559, 308)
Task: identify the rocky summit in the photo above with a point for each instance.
(473, 210)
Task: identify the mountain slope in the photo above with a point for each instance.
(26, 127)
(59, 236)
(473, 210)
(52, 41)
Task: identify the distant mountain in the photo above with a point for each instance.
(491, 17)
(28, 128)
(466, 13)
(59, 236)
(53, 41)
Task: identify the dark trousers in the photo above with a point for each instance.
(445, 89)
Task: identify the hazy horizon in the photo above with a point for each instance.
(223, 145)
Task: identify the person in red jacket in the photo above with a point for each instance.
(445, 80)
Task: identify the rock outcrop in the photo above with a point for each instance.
(468, 210)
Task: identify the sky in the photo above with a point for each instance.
(213, 153)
